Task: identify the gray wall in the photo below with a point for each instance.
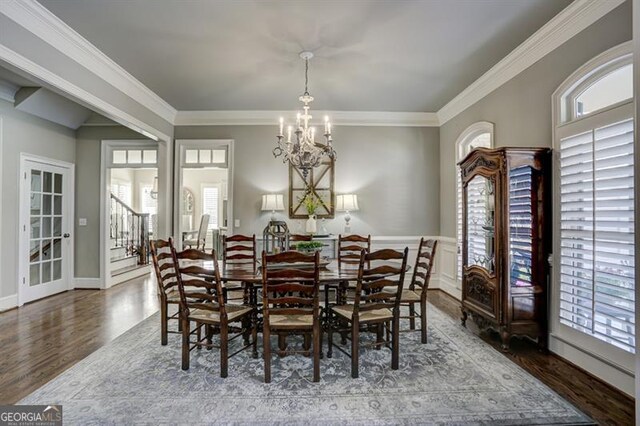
(88, 151)
(394, 171)
(23, 133)
(521, 108)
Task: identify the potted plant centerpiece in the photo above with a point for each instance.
(309, 247)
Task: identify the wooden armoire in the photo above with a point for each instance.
(506, 240)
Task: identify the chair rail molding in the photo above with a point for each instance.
(573, 19)
(342, 118)
(38, 20)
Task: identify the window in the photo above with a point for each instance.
(122, 190)
(210, 204)
(596, 233)
(149, 204)
(126, 157)
(476, 136)
(595, 186)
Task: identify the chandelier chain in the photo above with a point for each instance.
(306, 77)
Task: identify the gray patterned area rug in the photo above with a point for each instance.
(454, 379)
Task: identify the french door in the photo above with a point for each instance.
(46, 211)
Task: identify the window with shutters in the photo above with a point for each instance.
(475, 136)
(122, 190)
(595, 251)
(211, 204)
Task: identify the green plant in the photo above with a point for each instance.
(309, 245)
(311, 203)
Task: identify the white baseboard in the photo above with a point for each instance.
(80, 282)
(129, 275)
(593, 364)
(8, 302)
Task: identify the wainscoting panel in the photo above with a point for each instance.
(444, 274)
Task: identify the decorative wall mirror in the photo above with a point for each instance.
(319, 186)
(187, 209)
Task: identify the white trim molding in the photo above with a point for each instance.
(87, 283)
(8, 302)
(8, 91)
(38, 20)
(82, 96)
(573, 19)
(342, 118)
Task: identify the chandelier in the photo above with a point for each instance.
(303, 151)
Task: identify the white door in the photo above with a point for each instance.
(46, 208)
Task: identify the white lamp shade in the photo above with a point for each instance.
(272, 202)
(347, 202)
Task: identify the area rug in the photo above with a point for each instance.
(454, 379)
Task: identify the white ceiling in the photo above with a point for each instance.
(381, 55)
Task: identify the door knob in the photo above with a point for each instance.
(66, 235)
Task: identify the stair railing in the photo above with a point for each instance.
(129, 230)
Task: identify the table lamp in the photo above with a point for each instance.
(347, 203)
(273, 202)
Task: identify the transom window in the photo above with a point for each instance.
(478, 135)
(595, 186)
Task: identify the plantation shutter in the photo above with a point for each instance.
(210, 198)
(596, 233)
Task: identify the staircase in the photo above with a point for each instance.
(129, 239)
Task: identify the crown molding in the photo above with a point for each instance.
(343, 118)
(570, 21)
(38, 20)
(82, 96)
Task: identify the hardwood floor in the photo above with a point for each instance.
(42, 339)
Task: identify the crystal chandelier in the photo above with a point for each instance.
(304, 152)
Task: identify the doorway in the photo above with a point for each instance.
(130, 208)
(204, 183)
(46, 216)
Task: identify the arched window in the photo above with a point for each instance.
(477, 135)
(594, 209)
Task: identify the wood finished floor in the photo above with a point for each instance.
(42, 339)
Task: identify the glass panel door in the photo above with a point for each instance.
(480, 223)
(46, 231)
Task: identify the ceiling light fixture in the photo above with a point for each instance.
(304, 152)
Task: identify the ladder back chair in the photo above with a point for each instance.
(349, 248)
(376, 305)
(290, 303)
(417, 291)
(239, 250)
(202, 302)
(166, 277)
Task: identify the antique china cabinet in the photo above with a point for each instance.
(506, 240)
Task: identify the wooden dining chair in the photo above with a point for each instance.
(239, 251)
(290, 304)
(166, 277)
(349, 248)
(417, 291)
(300, 237)
(376, 305)
(208, 310)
